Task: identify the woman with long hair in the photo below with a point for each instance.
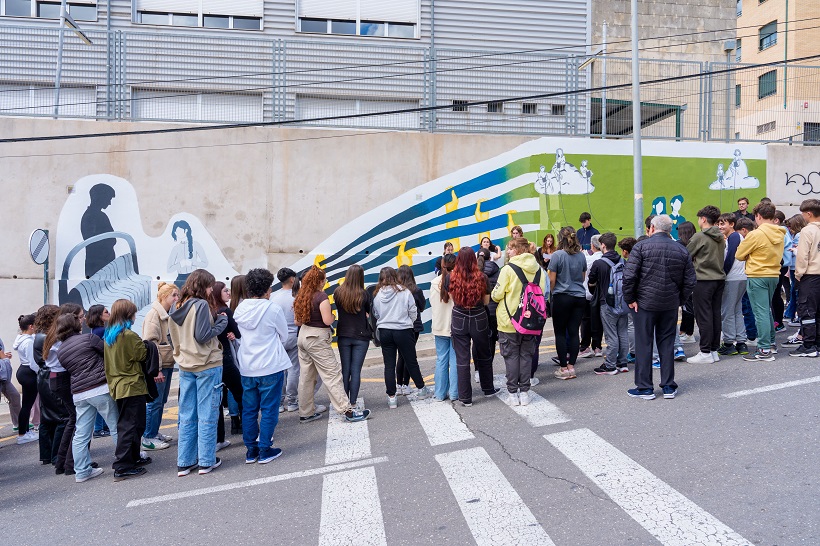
(352, 335)
(547, 249)
(687, 320)
(470, 326)
(155, 329)
(408, 280)
(60, 384)
(567, 270)
(219, 300)
(395, 310)
(448, 249)
(124, 354)
(96, 318)
(53, 414)
(495, 252)
(27, 377)
(83, 356)
(313, 314)
(238, 291)
(197, 352)
(446, 376)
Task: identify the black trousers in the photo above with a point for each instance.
(808, 308)
(708, 296)
(592, 329)
(535, 355)
(51, 433)
(567, 312)
(232, 380)
(61, 387)
(470, 333)
(130, 428)
(659, 325)
(28, 383)
(402, 373)
(687, 318)
(778, 306)
(401, 342)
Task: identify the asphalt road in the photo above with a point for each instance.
(585, 465)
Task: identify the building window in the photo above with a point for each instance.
(18, 8)
(459, 106)
(49, 10)
(737, 136)
(768, 35)
(766, 127)
(737, 96)
(811, 133)
(385, 29)
(739, 8)
(559, 109)
(386, 19)
(767, 84)
(192, 20)
(496, 107)
(529, 108)
(737, 51)
(235, 15)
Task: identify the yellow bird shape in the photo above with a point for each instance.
(452, 205)
(405, 257)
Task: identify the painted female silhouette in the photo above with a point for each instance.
(187, 255)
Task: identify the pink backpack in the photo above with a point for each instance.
(532, 312)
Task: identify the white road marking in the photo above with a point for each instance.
(495, 513)
(351, 511)
(440, 422)
(774, 387)
(669, 516)
(346, 441)
(539, 412)
(253, 483)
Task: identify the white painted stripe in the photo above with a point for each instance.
(669, 516)
(346, 441)
(774, 387)
(351, 511)
(440, 422)
(539, 412)
(253, 483)
(495, 513)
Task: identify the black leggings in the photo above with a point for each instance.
(567, 312)
(402, 373)
(233, 382)
(28, 381)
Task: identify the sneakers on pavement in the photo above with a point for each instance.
(760, 356)
(29, 436)
(269, 454)
(773, 348)
(630, 358)
(142, 461)
(424, 393)
(796, 339)
(586, 353)
(779, 326)
(656, 364)
(320, 408)
(209, 469)
(599, 353)
(252, 455)
(622, 368)
(354, 416)
(222, 445)
(492, 392)
(742, 349)
(513, 400)
(727, 349)
(101, 433)
(524, 398)
(154, 444)
(715, 356)
(605, 370)
(164, 438)
(687, 338)
(130, 473)
(804, 351)
(310, 418)
(292, 407)
(392, 402)
(534, 381)
(645, 394)
(700, 358)
(564, 374)
(185, 470)
(680, 356)
(93, 474)
(669, 393)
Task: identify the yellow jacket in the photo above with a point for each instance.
(509, 287)
(762, 250)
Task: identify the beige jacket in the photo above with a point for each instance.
(155, 328)
(193, 335)
(807, 259)
(442, 312)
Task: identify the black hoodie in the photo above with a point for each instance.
(599, 276)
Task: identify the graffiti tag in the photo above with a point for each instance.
(805, 183)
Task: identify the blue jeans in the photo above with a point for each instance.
(791, 310)
(263, 394)
(233, 405)
(87, 411)
(446, 377)
(200, 394)
(351, 353)
(153, 410)
(99, 423)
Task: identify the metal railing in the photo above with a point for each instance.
(199, 78)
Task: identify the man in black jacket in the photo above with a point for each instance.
(659, 277)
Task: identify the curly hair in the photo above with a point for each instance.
(44, 318)
(468, 284)
(312, 282)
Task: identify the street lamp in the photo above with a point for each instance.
(65, 20)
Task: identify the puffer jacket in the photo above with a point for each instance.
(492, 271)
(659, 274)
(82, 356)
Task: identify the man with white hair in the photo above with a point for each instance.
(658, 278)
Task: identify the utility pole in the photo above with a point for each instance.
(637, 164)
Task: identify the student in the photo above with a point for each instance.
(53, 414)
(615, 321)
(807, 272)
(441, 304)
(124, 353)
(448, 249)
(408, 280)
(155, 329)
(707, 250)
(495, 252)
(82, 355)
(352, 332)
(762, 250)
(742, 210)
(396, 310)
(219, 302)
(731, 307)
(626, 245)
(592, 331)
(197, 352)
(262, 361)
(27, 377)
(744, 226)
(585, 232)
(794, 225)
(491, 270)
(547, 249)
(96, 318)
(687, 323)
(567, 270)
(783, 283)
(7, 388)
(314, 316)
(516, 348)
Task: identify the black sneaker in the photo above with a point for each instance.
(313, 417)
(645, 394)
(466, 404)
(142, 461)
(605, 370)
(209, 469)
(760, 356)
(804, 351)
(492, 392)
(742, 349)
(269, 454)
(101, 433)
(185, 470)
(130, 473)
(728, 349)
(669, 392)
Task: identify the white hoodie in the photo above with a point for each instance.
(264, 332)
(24, 345)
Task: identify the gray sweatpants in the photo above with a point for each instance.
(517, 350)
(616, 333)
(731, 312)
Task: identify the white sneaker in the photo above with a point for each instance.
(400, 390)
(700, 358)
(154, 444)
(408, 390)
(513, 399)
(222, 445)
(94, 473)
(29, 436)
(164, 437)
(599, 353)
(392, 403)
(423, 393)
(686, 338)
(715, 357)
(477, 380)
(292, 407)
(586, 353)
(534, 381)
(281, 409)
(524, 398)
(320, 408)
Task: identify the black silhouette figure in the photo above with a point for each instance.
(96, 222)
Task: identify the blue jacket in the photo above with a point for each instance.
(585, 236)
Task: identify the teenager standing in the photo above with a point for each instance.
(441, 304)
(353, 337)
(27, 377)
(567, 270)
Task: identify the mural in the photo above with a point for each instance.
(104, 254)
(737, 177)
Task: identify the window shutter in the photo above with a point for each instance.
(244, 8)
(86, 2)
(169, 6)
(396, 11)
(328, 9)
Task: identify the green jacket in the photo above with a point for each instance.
(707, 249)
(123, 366)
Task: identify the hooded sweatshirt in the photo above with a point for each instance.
(24, 345)
(508, 289)
(707, 251)
(155, 328)
(264, 331)
(807, 258)
(193, 335)
(762, 250)
(394, 309)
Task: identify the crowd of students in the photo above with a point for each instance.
(84, 374)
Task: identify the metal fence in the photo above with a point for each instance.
(197, 78)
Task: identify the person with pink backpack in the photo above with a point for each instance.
(521, 315)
